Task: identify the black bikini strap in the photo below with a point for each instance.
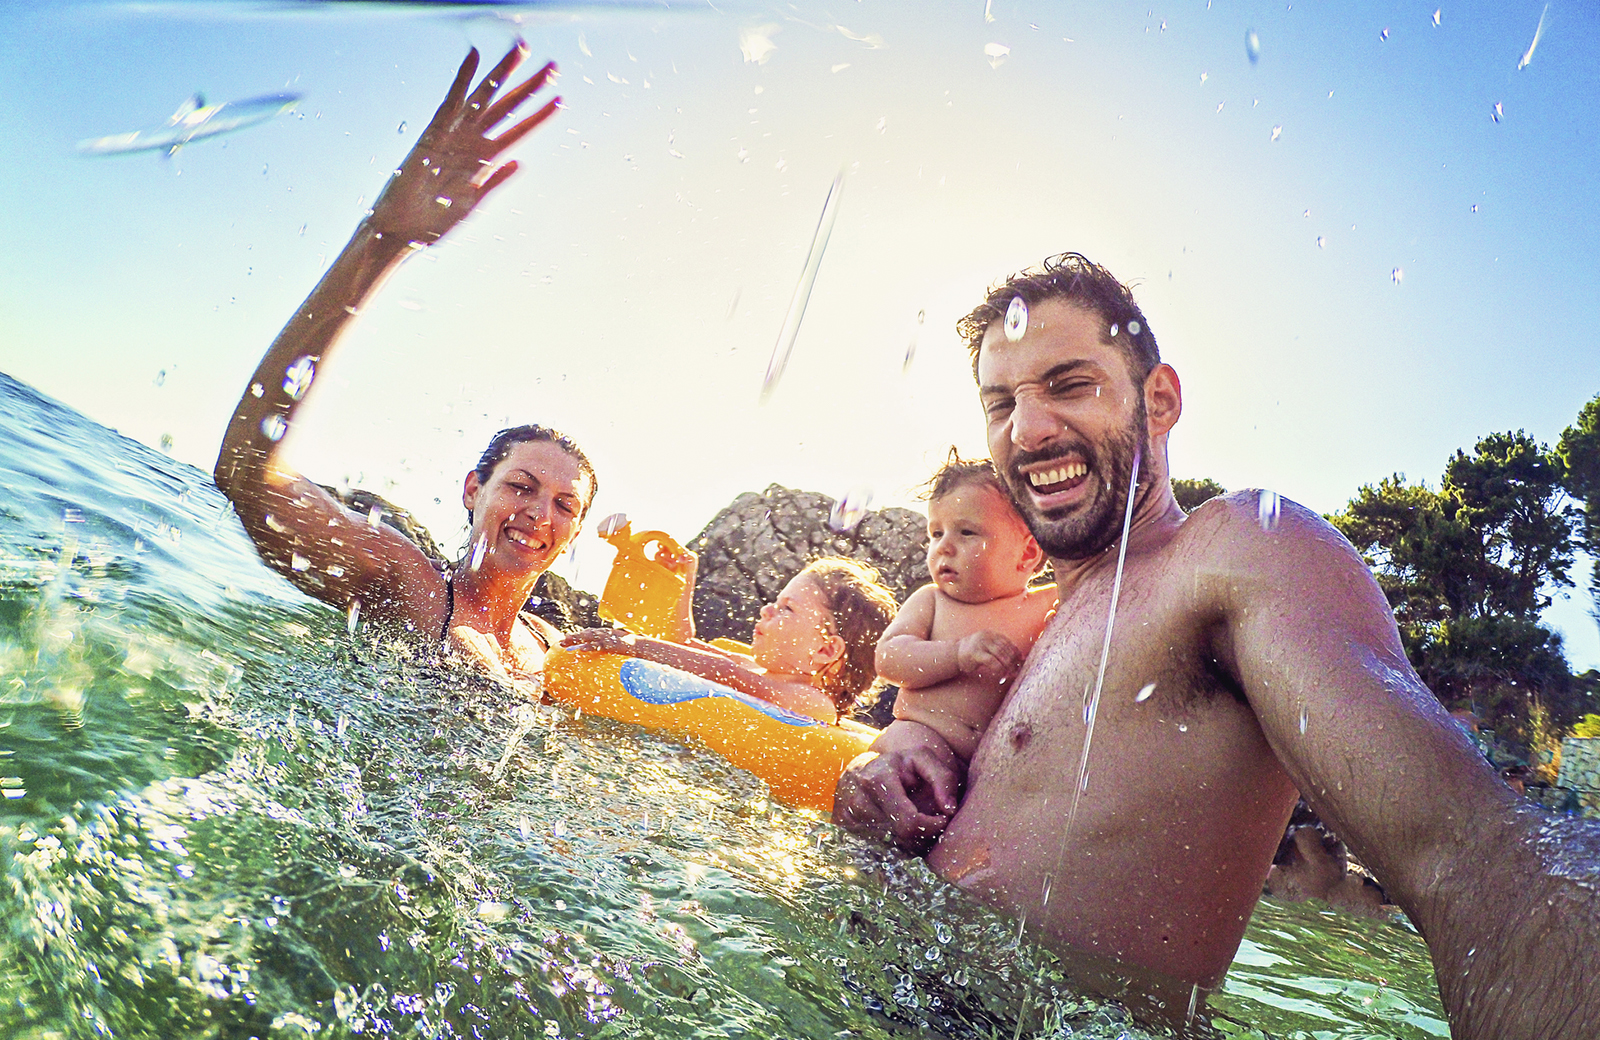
(449, 607)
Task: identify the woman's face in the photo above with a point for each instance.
(529, 510)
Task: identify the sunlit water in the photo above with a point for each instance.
(224, 816)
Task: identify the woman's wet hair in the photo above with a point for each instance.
(959, 472)
(1075, 279)
(500, 446)
(862, 607)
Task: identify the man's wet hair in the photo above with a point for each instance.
(959, 472)
(1076, 279)
(500, 446)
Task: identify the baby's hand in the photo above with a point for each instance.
(989, 656)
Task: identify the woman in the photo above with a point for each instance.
(529, 492)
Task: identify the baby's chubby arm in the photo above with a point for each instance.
(908, 655)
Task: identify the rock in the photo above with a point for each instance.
(751, 549)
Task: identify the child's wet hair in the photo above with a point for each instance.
(959, 472)
(862, 607)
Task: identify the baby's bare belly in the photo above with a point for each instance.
(958, 710)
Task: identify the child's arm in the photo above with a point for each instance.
(800, 698)
(908, 657)
(685, 565)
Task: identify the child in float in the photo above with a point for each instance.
(813, 649)
(957, 642)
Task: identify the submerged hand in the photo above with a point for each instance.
(452, 168)
(905, 789)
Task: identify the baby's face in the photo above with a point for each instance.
(978, 548)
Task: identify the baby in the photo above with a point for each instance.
(812, 652)
(956, 643)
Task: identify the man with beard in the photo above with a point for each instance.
(1127, 798)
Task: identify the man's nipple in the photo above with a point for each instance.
(1021, 734)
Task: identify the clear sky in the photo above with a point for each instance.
(628, 286)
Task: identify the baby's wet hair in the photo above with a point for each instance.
(959, 472)
(862, 607)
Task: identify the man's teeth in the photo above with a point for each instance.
(1071, 471)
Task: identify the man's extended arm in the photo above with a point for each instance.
(1504, 894)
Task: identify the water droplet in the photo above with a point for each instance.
(883, 124)
(1474, 207)
(1277, 132)
(1321, 242)
(478, 549)
(1384, 35)
(352, 615)
(1204, 76)
(1133, 328)
(167, 442)
(161, 377)
(298, 563)
(996, 54)
(850, 510)
(611, 525)
(1115, 328)
(1302, 720)
(401, 128)
(1083, 782)
(297, 377)
(1163, 27)
(802, 291)
(374, 516)
(1183, 727)
(1252, 46)
(335, 571)
(1497, 112)
(1144, 693)
(1016, 324)
(274, 427)
(273, 524)
(1397, 276)
(1436, 12)
(743, 155)
(922, 316)
(1267, 507)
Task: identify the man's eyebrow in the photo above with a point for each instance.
(1053, 372)
(524, 474)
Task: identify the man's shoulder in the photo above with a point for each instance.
(1250, 519)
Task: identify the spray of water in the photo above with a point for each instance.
(1093, 708)
(802, 292)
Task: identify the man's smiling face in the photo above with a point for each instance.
(1066, 421)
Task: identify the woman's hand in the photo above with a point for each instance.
(601, 640)
(452, 168)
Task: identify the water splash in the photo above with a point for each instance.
(1105, 655)
(996, 54)
(352, 616)
(849, 511)
(1252, 46)
(802, 291)
(611, 525)
(1016, 324)
(478, 548)
(1268, 505)
(274, 427)
(297, 378)
(1527, 56)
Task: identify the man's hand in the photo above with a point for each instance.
(905, 789)
(989, 656)
(452, 167)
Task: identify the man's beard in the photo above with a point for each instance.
(1089, 528)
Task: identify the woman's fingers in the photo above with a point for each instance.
(497, 77)
(517, 95)
(516, 133)
(445, 118)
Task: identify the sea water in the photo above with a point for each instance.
(225, 816)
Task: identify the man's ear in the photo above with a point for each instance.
(1163, 400)
(469, 490)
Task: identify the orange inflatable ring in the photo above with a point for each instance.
(799, 757)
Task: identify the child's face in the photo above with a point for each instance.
(978, 548)
(795, 634)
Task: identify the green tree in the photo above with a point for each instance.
(1579, 449)
(1469, 568)
(1191, 492)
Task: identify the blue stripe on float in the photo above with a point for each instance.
(658, 684)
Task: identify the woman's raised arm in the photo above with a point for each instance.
(298, 528)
